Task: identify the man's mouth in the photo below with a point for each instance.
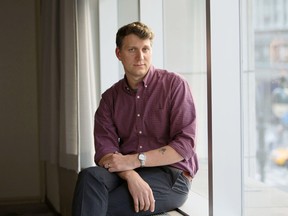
(139, 65)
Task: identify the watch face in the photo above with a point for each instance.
(142, 156)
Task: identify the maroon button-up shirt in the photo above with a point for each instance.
(160, 112)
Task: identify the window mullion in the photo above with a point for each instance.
(224, 107)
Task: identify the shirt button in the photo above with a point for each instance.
(140, 132)
(138, 97)
(138, 115)
(140, 147)
(146, 86)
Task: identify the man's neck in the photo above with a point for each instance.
(133, 82)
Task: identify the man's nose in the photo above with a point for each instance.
(140, 55)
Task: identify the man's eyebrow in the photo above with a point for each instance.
(131, 46)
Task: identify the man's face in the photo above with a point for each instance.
(135, 55)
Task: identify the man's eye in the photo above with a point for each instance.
(146, 50)
(131, 50)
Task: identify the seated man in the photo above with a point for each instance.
(144, 137)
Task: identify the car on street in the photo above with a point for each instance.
(280, 156)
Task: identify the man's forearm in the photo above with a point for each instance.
(116, 162)
(102, 160)
(127, 174)
(165, 155)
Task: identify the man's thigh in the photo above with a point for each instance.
(101, 175)
(169, 189)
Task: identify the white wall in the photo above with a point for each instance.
(19, 153)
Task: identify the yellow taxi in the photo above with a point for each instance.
(280, 156)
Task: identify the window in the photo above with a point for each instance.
(184, 38)
(265, 107)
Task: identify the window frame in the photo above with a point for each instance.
(225, 148)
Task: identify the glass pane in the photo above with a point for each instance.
(185, 53)
(183, 36)
(265, 106)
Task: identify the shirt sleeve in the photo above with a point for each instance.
(105, 134)
(182, 119)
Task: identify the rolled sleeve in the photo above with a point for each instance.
(183, 120)
(105, 136)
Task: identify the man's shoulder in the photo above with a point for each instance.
(114, 89)
(116, 86)
(169, 75)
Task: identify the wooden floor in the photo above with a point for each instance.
(26, 210)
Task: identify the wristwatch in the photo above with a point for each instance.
(142, 159)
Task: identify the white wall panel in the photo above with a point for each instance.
(108, 19)
(151, 13)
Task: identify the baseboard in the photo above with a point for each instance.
(20, 200)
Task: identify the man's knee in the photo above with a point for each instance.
(93, 173)
(85, 173)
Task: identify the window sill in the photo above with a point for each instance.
(264, 200)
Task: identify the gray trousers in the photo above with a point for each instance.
(101, 193)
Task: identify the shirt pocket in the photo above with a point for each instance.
(157, 121)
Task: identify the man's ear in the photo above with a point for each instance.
(117, 52)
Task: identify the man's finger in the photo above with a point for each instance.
(141, 205)
(136, 205)
(152, 204)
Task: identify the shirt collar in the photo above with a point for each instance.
(147, 79)
(126, 87)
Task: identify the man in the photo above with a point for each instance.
(144, 137)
